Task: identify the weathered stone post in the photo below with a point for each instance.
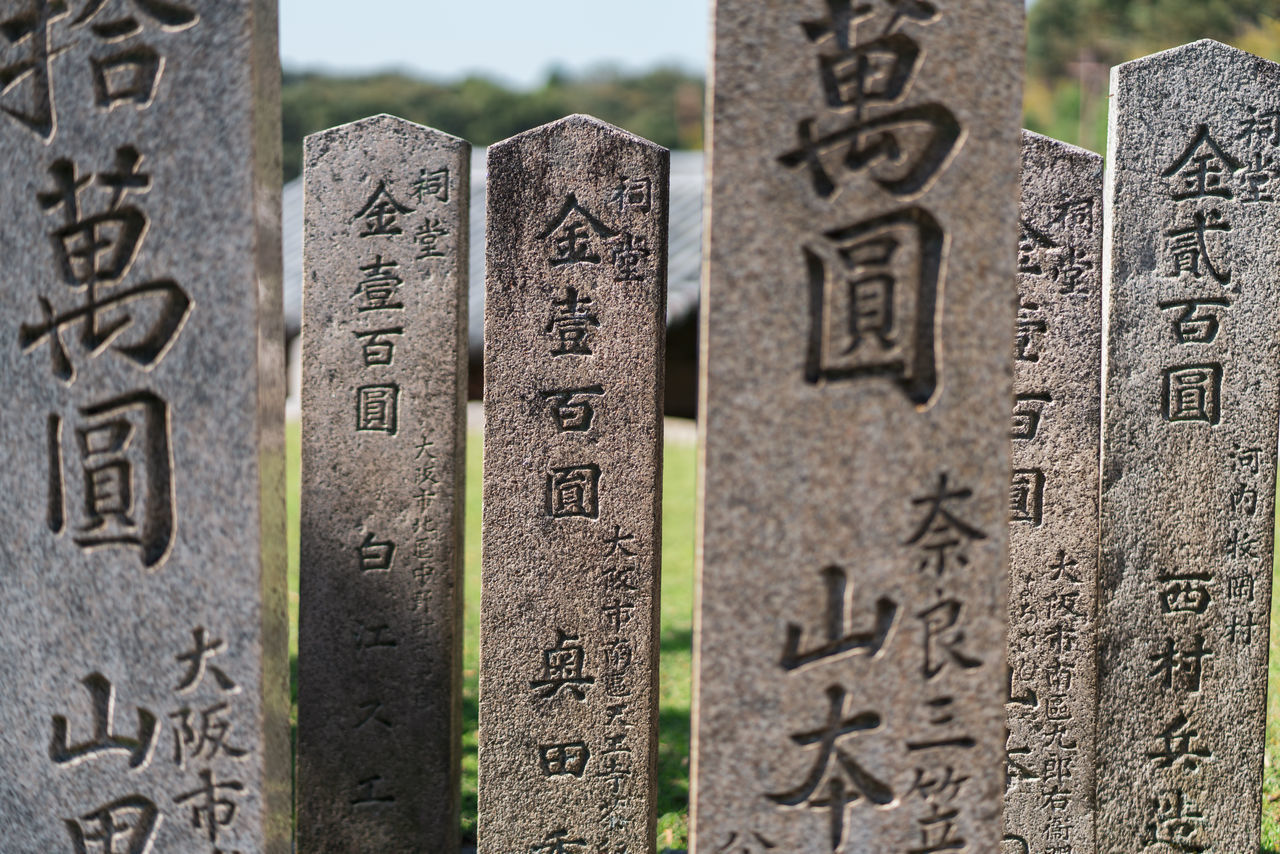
(383, 431)
(857, 316)
(1189, 440)
(144, 650)
(574, 334)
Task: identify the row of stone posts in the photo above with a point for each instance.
(984, 559)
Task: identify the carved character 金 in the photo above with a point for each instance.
(1034, 247)
(1192, 393)
(381, 213)
(941, 530)
(574, 233)
(126, 462)
(124, 826)
(102, 696)
(573, 492)
(836, 780)
(1017, 771)
(874, 291)
(840, 636)
(567, 760)
(1203, 170)
(572, 409)
(95, 252)
(211, 809)
(563, 669)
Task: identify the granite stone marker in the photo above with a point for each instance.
(850, 680)
(383, 427)
(144, 654)
(1189, 439)
(1053, 502)
(574, 337)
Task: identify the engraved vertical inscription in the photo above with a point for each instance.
(1053, 534)
(856, 427)
(1188, 464)
(141, 365)
(384, 378)
(574, 331)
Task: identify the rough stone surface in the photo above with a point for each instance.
(1189, 439)
(574, 335)
(383, 431)
(144, 651)
(1053, 500)
(857, 379)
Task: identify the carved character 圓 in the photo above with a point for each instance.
(377, 409)
(573, 492)
(95, 252)
(125, 68)
(874, 292)
(1192, 393)
(126, 464)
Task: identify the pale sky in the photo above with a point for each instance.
(514, 40)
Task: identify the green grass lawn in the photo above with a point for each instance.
(677, 648)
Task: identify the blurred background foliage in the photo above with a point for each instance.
(1072, 46)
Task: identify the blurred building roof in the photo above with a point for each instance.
(685, 249)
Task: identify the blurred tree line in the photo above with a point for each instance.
(1072, 46)
(663, 105)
